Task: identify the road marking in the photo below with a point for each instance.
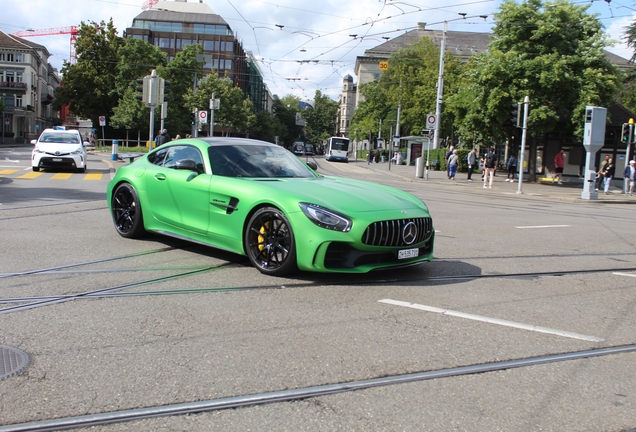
(9, 171)
(492, 320)
(543, 226)
(31, 175)
(61, 176)
(624, 274)
(93, 176)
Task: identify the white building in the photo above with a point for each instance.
(346, 106)
(27, 85)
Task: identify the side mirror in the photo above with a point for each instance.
(186, 164)
(313, 165)
(34, 141)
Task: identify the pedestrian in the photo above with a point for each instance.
(630, 177)
(490, 165)
(608, 174)
(369, 157)
(163, 137)
(599, 173)
(512, 168)
(482, 166)
(453, 161)
(446, 156)
(559, 163)
(471, 159)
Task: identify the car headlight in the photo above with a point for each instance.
(325, 218)
(37, 150)
(77, 151)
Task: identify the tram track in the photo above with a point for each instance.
(290, 395)
(110, 292)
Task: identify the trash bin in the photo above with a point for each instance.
(419, 167)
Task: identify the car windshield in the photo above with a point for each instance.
(52, 137)
(256, 161)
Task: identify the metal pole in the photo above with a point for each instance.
(428, 154)
(630, 139)
(526, 108)
(212, 107)
(440, 88)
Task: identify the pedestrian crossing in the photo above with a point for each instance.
(30, 175)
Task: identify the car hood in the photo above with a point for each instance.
(345, 195)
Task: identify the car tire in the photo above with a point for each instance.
(126, 212)
(36, 169)
(269, 242)
(82, 170)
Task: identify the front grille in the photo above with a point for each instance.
(389, 233)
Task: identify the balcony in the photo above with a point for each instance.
(13, 85)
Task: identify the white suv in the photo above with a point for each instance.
(59, 149)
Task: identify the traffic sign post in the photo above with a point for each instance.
(203, 117)
(102, 123)
(431, 121)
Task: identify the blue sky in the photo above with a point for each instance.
(301, 45)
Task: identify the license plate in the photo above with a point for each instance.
(57, 159)
(408, 253)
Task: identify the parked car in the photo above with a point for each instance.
(257, 199)
(61, 149)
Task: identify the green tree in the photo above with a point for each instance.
(320, 119)
(89, 84)
(181, 72)
(410, 82)
(549, 51)
(285, 109)
(137, 58)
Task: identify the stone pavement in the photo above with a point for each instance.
(570, 190)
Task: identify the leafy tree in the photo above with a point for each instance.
(267, 127)
(549, 51)
(320, 119)
(89, 85)
(137, 58)
(410, 81)
(181, 72)
(285, 110)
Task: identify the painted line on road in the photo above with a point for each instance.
(62, 176)
(9, 171)
(543, 226)
(93, 176)
(624, 274)
(492, 320)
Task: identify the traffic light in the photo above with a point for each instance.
(140, 89)
(515, 115)
(625, 133)
(193, 119)
(166, 89)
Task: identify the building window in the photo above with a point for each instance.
(210, 45)
(18, 77)
(228, 64)
(19, 58)
(18, 101)
(229, 46)
(166, 43)
(9, 57)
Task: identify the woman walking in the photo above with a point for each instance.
(608, 174)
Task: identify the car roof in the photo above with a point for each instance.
(223, 141)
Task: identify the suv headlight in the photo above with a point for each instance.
(77, 151)
(326, 218)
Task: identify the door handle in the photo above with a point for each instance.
(160, 176)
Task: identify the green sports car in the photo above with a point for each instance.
(257, 199)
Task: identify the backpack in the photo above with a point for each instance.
(490, 160)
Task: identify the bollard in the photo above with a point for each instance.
(115, 145)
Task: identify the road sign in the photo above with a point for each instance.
(203, 117)
(431, 120)
(384, 65)
(102, 120)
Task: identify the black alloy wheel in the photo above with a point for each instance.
(127, 212)
(269, 242)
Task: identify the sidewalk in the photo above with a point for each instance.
(570, 190)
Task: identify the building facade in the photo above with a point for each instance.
(346, 106)
(172, 25)
(27, 86)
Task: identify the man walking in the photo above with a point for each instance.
(490, 165)
(471, 160)
(599, 173)
(559, 163)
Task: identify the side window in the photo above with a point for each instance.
(177, 153)
(158, 157)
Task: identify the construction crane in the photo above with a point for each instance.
(70, 30)
(148, 4)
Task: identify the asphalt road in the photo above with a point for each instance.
(515, 277)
